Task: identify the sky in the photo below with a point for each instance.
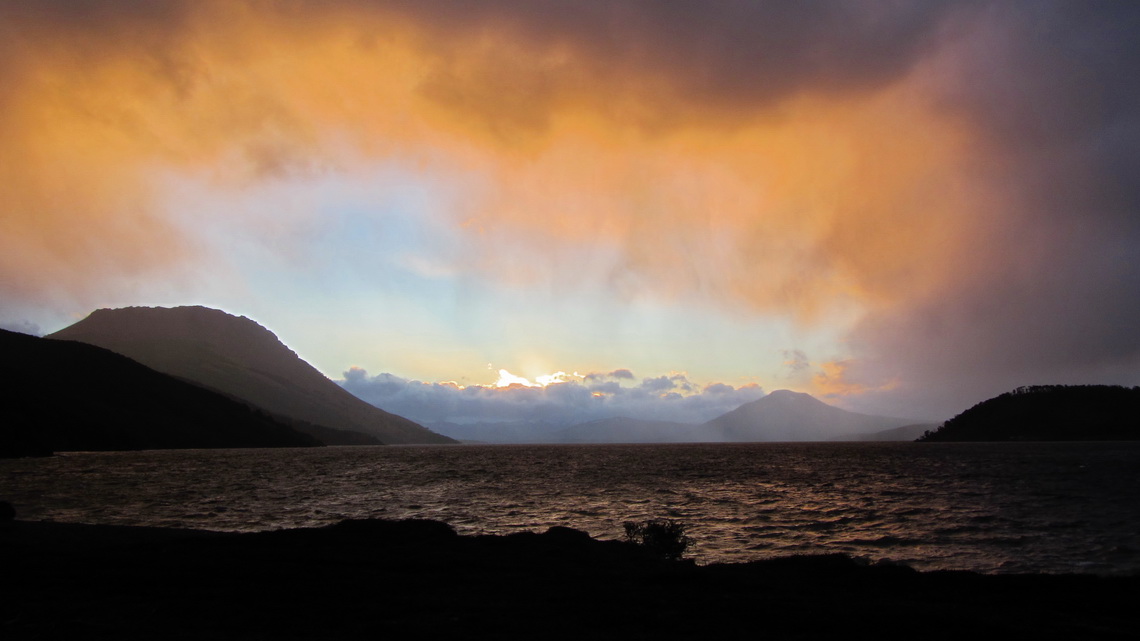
(900, 208)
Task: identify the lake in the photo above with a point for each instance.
(986, 507)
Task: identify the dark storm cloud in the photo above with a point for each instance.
(85, 31)
(736, 51)
(1056, 88)
(1065, 73)
(731, 54)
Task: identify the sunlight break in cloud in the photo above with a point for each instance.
(506, 379)
(669, 397)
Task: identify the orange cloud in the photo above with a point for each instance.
(835, 380)
(800, 199)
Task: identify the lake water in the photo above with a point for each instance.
(996, 508)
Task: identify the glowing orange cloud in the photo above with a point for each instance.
(813, 204)
(834, 380)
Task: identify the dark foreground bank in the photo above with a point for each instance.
(368, 579)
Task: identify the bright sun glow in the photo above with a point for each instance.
(506, 379)
(557, 377)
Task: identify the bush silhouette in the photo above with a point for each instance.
(664, 538)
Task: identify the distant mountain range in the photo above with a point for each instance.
(784, 415)
(67, 396)
(780, 416)
(237, 357)
(1049, 413)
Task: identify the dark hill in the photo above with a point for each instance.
(62, 395)
(1049, 413)
(236, 356)
(784, 415)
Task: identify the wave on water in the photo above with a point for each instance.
(996, 508)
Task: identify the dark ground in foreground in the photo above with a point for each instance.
(375, 579)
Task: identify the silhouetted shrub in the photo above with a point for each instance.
(664, 538)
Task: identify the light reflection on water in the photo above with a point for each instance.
(1040, 507)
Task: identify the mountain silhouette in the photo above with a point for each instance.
(236, 356)
(68, 396)
(1049, 413)
(784, 415)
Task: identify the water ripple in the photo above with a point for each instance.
(1071, 507)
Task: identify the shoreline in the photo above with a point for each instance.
(359, 579)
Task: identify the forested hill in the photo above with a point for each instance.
(1049, 413)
